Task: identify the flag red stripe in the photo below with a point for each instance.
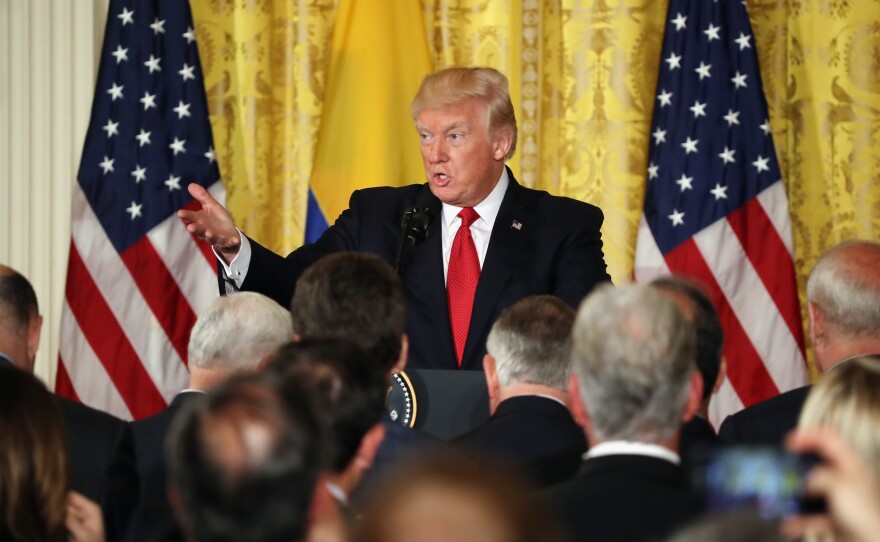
(161, 293)
(63, 384)
(771, 259)
(745, 369)
(204, 247)
(108, 341)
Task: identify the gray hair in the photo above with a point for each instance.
(845, 286)
(633, 352)
(239, 331)
(531, 342)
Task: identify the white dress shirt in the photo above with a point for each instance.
(618, 447)
(481, 230)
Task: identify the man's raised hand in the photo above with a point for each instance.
(213, 223)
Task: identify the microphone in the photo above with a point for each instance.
(414, 226)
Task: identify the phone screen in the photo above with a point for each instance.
(766, 479)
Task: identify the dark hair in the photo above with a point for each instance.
(349, 391)
(355, 296)
(707, 326)
(34, 470)
(18, 301)
(234, 486)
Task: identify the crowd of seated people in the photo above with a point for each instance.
(595, 413)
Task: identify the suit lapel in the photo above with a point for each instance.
(511, 240)
(425, 282)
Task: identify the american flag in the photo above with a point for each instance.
(715, 205)
(136, 278)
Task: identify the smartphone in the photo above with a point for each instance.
(768, 480)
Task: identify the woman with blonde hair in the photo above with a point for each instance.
(847, 401)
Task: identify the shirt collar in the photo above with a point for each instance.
(4, 357)
(618, 447)
(487, 209)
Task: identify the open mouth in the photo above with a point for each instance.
(440, 179)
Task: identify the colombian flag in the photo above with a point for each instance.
(367, 137)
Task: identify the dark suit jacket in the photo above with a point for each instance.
(767, 422)
(153, 518)
(525, 429)
(101, 462)
(556, 248)
(696, 437)
(623, 497)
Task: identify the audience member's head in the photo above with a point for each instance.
(444, 500)
(455, 86)
(244, 460)
(34, 469)
(20, 319)
(633, 354)
(529, 349)
(742, 526)
(699, 310)
(236, 332)
(357, 297)
(844, 301)
(846, 399)
(349, 393)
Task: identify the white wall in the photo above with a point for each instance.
(49, 52)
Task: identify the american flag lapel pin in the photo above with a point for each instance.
(517, 225)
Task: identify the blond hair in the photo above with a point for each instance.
(454, 86)
(846, 400)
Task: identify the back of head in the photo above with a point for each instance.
(238, 331)
(707, 325)
(448, 500)
(354, 296)
(453, 86)
(531, 342)
(845, 286)
(349, 390)
(18, 308)
(633, 353)
(847, 400)
(33, 459)
(244, 460)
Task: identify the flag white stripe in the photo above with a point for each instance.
(111, 277)
(723, 404)
(775, 204)
(89, 377)
(752, 304)
(178, 251)
(649, 261)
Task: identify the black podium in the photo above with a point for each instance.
(444, 404)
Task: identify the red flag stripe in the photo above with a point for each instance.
(746, 370)
(87, 375)
(63, 385)
(161, 293)
(752, 303)
(113, 279)
(772, 262)
(107, 339)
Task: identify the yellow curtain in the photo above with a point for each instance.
(582, 77)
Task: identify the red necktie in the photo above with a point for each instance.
(461, 280)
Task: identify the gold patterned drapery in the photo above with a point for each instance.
(582, 77)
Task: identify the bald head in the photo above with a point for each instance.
(20, 319)
(844, 296)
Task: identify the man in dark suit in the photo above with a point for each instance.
(359, 298)
(236, 333)
(457, 281)
(527, 369)
(700, 312)
(843, 293)
(100, 445)
(634, 385)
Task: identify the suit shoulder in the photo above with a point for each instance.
(73, 411)
(563, 206)
(784, 401)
